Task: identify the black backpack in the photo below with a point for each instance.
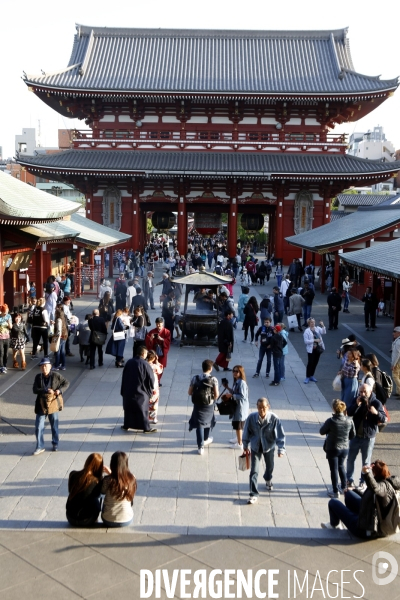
(203, 391)
(49, 288)
(218, 270)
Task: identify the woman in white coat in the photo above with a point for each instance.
(314, 345)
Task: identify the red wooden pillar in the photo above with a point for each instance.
(182, 226)
(396, 298)
(232, 228)
(143, 229)
(279, 226)
(322, 276)
(336, 273)
(135, 225)
(78, 274)
(39, 275)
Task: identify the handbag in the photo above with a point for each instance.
(51, 403)
(132, 330)
(337, 383)
(319, 349)
(140, 333)
(226, 407)
(99, 338)
(75, 341)
(118, 335)
(292, 321)
(55, 343)
(244, 462)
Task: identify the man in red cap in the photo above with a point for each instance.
(277, 344)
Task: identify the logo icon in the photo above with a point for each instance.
(381, 561)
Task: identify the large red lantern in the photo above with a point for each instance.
(207, 223)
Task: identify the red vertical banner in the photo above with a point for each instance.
(135, 227)
(279, 225)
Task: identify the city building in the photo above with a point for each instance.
(210, 122)
(371, 145)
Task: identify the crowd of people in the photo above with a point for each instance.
(123, 315)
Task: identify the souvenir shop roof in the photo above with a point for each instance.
(79, 229)
(22, 203)
(356, 226)
(366, 199)
(217, 164)
(210, 62)
(203, 279)
(382, 258)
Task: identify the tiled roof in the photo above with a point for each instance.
(355, 226)
(205, 163)
(211, 61)
(381, 257)
(338, 214)
(80, 229)
(363, 199)
(20, 201)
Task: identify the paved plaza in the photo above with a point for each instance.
(189, 509)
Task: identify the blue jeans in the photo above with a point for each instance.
(277, 368)
(349, 390)
(283, 367)
(279, 280)
(363, 445)
(112, 524)
(336, 459)
(202, 434)
(59, 357)
(255, 467)
(39, 430)
(262, 352)
(307, 312)
(346, 300)
(347, 513)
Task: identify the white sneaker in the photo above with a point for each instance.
(236, 446)
(38, 451)
(329, 526)
(233, 440)
(208, 441)
(200, 451)
(252, 500)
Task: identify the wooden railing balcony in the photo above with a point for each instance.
(223, 140)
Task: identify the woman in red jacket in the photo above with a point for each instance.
(159, 340)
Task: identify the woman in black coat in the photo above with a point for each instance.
(84, 487)
(338, 429)
(250, 318)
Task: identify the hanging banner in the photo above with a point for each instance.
(6, 261)
(21, 261)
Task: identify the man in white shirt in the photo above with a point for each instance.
(131, 293)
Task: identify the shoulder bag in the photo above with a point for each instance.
(55, 343)
(118, 335)
(98, 338)
(51, 403)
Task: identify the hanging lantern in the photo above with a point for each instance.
(252, 222)
(163, 221)
(207, 223)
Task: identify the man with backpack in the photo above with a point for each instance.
(396, 360)
(204, 391)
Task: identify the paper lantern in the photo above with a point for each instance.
(207, 223)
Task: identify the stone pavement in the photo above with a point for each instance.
(186, 504)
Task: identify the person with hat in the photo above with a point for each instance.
(276, 343)
(105, 287)
(148, 289)
(47, 382)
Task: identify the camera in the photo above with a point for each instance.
(224, 381)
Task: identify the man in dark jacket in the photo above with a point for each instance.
(136, 389)
(225, 340)
(168, 312)
(334, 301)
(265, 333)
(370, 305)
(308, 294)
(120, 294)
(276, 343)
(278, 305)
(47, 382)
(367, 413)
(96, 323)
(138, 300)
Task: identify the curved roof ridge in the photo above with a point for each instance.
(29, 77)
(339, 34)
